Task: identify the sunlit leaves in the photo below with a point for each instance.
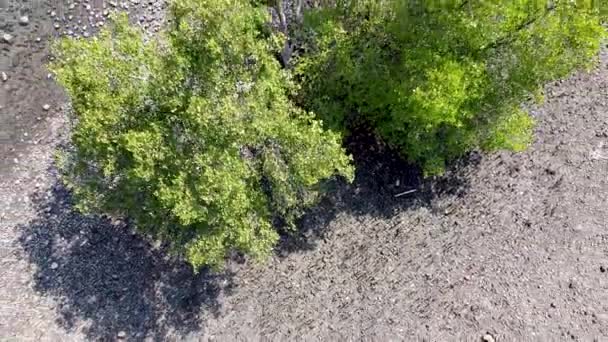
(194, 138)
(439, 78)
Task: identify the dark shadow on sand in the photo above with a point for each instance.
(385, 184)
(102, 273)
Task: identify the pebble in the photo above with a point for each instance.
(54, 266)
(121, 334)
(24, 20)
(56, 26)
(488, 338)
(53, 13)
(46, 106)
(38, 39)
(4, 77)
(7, 38)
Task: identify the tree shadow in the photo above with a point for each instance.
(111, 282)
(385, 185)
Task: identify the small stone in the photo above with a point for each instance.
(54, 266)
(72, 6)
(46, 106)
(85, 34)
(488, 338)
(56, 26)
(121, 334)
(70, 17)
(38, 39)
(24, 20)
(53, 13)
(4, 77)
(7, 38)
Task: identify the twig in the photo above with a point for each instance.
(406, 192)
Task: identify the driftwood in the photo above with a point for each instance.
(295, 7)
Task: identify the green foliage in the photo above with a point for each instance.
(194, 137)
(437, 79)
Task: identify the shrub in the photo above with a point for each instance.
(436, 79)
(194, 136)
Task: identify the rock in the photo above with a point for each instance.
(24, 20)
(56, 26)
(4, 77)
(602, 269)
(488, 338)
(72, 6)
(46, 106)
(54, 266)
(7, 38)
(38, 39)
(121, 334)
(53, 13)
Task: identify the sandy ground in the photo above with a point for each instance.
(510, 245)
